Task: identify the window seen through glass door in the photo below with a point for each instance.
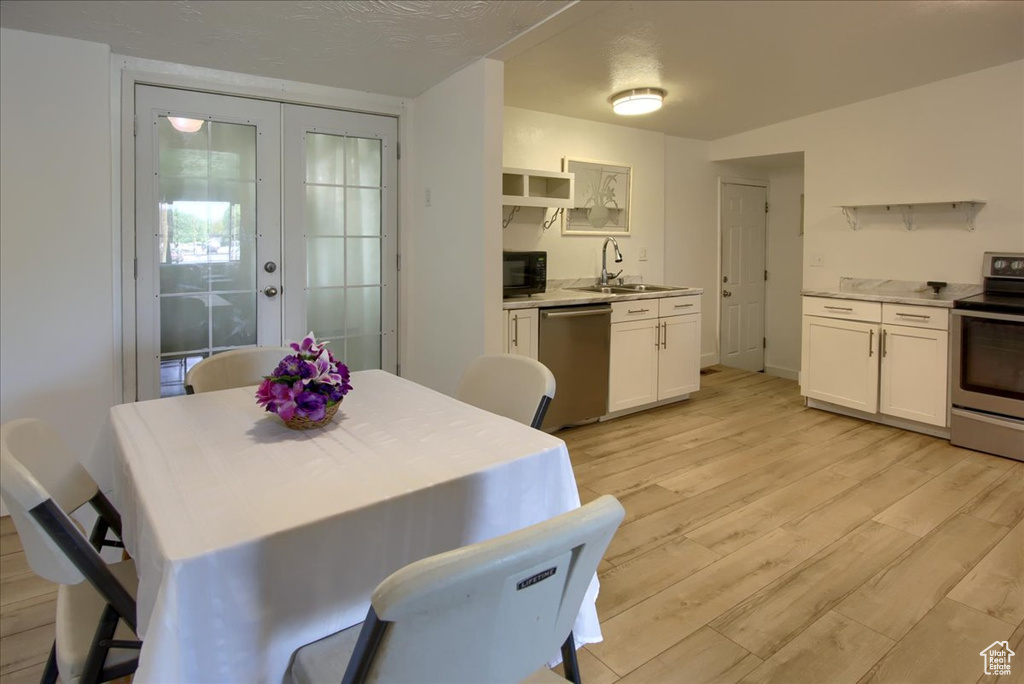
(206, 242)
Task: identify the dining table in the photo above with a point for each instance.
(251, 539)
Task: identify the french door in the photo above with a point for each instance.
(257, 222)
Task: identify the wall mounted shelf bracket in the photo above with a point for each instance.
(968, 207)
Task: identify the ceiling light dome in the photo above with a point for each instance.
(185, 125)
(637, 101)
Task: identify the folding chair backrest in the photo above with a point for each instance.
(494, 611)
(235, 368)
(40, 449)
(22, 493)
(510, 385)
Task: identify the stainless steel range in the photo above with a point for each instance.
(987, 336)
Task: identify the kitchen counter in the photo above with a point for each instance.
(562, 295)
(896, 292)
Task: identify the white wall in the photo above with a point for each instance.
(57, 337)
(536, 140)
(959, 138)
(784, 256)
(452, 264)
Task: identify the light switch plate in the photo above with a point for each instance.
(818, 259)
(642, 254)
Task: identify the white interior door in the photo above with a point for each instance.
(214, 268)
(208, 217)
(744, 226)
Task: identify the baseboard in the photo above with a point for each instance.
(644, 407)
(708, 360)
(780, 372)
(924, 428)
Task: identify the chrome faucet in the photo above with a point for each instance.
(604, 261)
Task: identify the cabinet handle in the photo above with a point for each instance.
(515, 331)
(657, 336)
(839, 308)
(871, 342)
(637, 310)
(682, 306)
(664, 337)
(884, 333)
(918, 316)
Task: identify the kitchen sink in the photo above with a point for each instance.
(595, 288)
(632, 288)
(642, 287)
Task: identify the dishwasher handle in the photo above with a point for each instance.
(576, 313)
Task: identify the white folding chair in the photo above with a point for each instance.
(234, 368)
(510, 385)
(491, 612)
(95, 622)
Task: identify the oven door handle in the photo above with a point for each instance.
(984, 314)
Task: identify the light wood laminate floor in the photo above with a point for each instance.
(763, 542)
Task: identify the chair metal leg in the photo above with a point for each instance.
(50, 671)
(98, 651)
(569, 664)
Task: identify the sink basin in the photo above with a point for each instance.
(642, 287)
(595, 288)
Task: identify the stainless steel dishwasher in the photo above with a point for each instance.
(574, 344)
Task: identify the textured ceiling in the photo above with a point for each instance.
(388, 47)
(735, 66)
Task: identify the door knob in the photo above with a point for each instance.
(270, 291)
(726, 293)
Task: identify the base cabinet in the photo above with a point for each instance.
(890, 359)
(655, 351)
(914, 374)
(840, 365)
(521, 332)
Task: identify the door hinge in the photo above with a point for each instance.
(766, 274)
(766, 207)
(135, 269)
(135, 126)
(398, 149)
(398, 369)
(398, 262)
(764, 343)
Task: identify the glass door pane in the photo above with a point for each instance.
(340, 216)
(203, 231)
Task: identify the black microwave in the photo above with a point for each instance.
(524, 273)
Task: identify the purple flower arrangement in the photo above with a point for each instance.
(306, 383)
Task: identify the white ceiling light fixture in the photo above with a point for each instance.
(184, 125)
(637, 101)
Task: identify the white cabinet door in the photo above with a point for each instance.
(840, 362)
(523, 332)
(633, 366)
(679, 359)
(914, 373)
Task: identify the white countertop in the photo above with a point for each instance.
(896, 292)
(564, 296)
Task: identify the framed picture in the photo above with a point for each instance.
(602, 198)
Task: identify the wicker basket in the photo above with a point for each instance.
(301, 423)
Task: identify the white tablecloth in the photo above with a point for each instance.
(252, 539)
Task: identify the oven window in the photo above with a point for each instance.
(993, 357)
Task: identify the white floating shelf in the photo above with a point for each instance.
(968, 206)
(531, 188)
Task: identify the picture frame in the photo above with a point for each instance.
(603, 198)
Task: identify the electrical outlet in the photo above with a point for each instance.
(817, 259)
(642, 254)
(426, 198)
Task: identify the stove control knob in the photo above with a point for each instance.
(999, 264)
(1017, 265)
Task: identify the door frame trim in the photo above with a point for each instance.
(722, 182)
(125, 74)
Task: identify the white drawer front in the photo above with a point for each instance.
(851, 309)
(635, 310)
(933, 317)
(675, 306)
